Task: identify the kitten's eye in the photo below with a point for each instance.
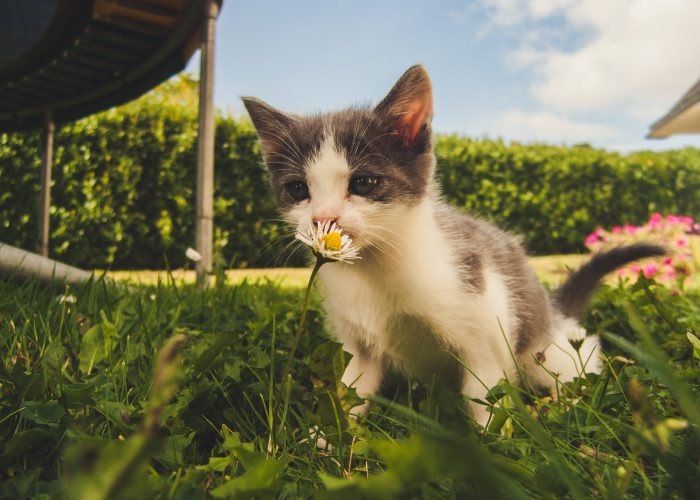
(363, 184)
(297, 190)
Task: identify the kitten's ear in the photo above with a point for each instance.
(271, 124)
(409, 104)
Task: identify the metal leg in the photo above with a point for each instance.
(205, 151)
(45, 199)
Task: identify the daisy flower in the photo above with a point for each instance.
(329, 243)
(67, 299)
(193, 254)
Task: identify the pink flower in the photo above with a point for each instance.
(680, 219)
(650, 270)
(678, 231)
(594, 237)
(655, 221)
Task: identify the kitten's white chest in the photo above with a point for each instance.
(413, 310)
(402, 309)
(396, 322)
(362, 306)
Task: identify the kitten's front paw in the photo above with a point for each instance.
(321, 443)
(481, 414)
(359, 410)
(354, 413)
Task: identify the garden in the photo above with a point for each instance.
(158, 388)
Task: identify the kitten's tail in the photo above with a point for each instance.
(572, 297)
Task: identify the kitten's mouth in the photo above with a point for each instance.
(349, 232)
(329, 242)
(357, 240)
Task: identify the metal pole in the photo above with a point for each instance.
(20, 263)
(204, 230)
(45, 197)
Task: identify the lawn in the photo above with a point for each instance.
(550, 269)
(88, 409)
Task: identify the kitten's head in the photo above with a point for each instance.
(360, 167)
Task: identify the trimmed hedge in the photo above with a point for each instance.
(124, 188)
(554, 196)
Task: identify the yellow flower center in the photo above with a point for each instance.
(332, 241)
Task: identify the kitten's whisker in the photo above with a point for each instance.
(294, 250)
(287, 168)
(368, 143)
(370, 155)
(295, 165)
(282, 221)
(280, 255)
(296, 146)
(281, 142)
(376, 230)
(389, 250)
(270, 245)
(357, 139)
(283, 128)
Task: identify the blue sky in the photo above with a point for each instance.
(558, 71)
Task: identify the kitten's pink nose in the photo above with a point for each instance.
(316, 220)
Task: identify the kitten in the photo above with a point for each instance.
(437, 293)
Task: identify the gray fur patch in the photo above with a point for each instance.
(479, 241)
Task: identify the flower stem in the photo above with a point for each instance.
(319, 262)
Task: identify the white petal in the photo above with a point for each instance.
(303, 238)
(193, 254)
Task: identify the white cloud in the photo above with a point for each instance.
(542, 126)
(525, 56)
(644, 55)
(505, 13)
(635, 57)
(545, 8)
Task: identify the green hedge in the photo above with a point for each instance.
(555, 196)
(124, 187)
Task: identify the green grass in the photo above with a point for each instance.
(87, 410)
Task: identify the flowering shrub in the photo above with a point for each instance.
(679, 234)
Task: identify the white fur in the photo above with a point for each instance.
(404, 303)
(559, 361)
(416, 278)
(328, 175)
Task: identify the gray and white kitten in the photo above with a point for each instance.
(436, 293)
